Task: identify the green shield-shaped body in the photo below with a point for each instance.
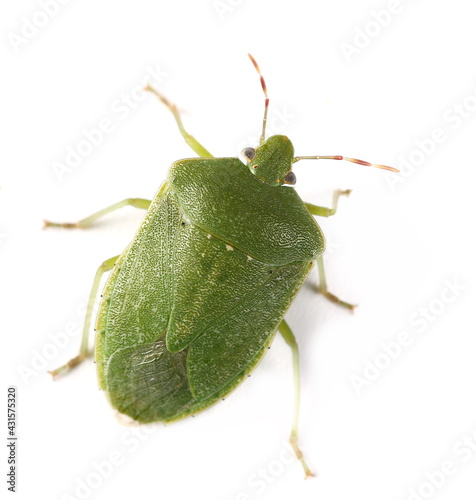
(195, 300)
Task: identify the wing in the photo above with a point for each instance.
(149, 383)
(137, 299)
(237, 340)
(218, 308)
(211, 277)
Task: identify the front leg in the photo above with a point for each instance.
(325, 211)
(89, 221)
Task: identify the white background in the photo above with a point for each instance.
(393, 246)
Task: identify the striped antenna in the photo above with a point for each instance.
(297, 158)
(266, 100)
(353, 160)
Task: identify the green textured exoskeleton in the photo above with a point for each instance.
(194, 301)
(230, 253)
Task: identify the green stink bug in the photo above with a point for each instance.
(193, 303)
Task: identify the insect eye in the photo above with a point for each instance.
(249, 153)
(290, 178)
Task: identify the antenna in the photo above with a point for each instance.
(297, 158)
(266, 100)
(353, 160)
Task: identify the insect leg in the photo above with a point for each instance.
(189, 139)
(325, 211)
(322, 288)
(84, 351)
(290, 339)
(88, 221)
